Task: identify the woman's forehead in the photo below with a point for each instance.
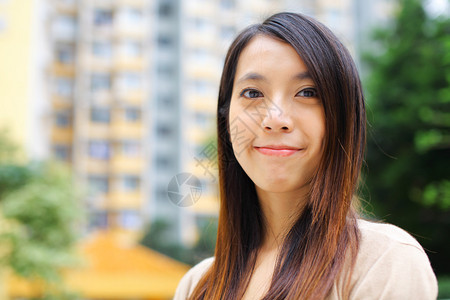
(264, 56)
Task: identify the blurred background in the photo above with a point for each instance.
(108, 175)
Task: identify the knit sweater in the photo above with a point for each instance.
(390, 264)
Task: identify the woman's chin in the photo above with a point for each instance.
(277, 186)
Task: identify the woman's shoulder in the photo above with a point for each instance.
(191, 278)
(391, 264)
(386, 234)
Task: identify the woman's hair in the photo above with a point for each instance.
(325, 235)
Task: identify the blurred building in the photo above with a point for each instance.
(100, 95)
(22, 75)
(134, 86)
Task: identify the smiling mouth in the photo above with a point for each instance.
(280, 151)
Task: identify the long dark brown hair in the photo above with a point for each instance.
(325, 235)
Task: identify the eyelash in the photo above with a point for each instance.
(313, 90)
(245, 91)
(307, 90)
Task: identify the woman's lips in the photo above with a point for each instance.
(280, 151)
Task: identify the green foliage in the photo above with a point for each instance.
(38, 214)
(444, 287)
(42, 214)
(8, 150)
(155, 238)
(409, 138)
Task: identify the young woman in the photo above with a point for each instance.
(291, 134)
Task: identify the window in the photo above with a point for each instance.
(201, 86)
(99, 149)
(130, 81)
(201, 119)
(227, 4)
(132, 114)
(131, 148)
(100, 115)
(64, 27)
(102, 49)
(130, 219)
(166, 101)
(227, 32)
(64, 87)
(65, 53)
(98, 183)
(99, 219)
(161, 194)
(165, 9)
(68, 2)
(100, 82)
(130, 183)
(163, 130)
(103, 17)
(164, 41)
(166, 70)
(200, 24)
(61, 152)
(131, 15)
(163, 162)
(200, 55)
(62, 119)
(131, 48)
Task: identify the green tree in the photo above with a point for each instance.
(408, 159)
(154, 238)
(38, 212)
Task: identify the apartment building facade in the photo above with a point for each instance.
(134, 88)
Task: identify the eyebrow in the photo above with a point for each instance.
(303, 75)
(252, 76)
(259, 77)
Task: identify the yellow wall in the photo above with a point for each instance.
(15, 62)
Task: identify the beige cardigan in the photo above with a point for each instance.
(390, 264)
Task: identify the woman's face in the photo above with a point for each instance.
(276, 120)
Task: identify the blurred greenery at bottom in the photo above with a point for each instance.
(444, 287)
(39, 215)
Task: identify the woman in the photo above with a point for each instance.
(291, 127)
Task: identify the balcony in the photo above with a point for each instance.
(62, 135)
(63, 70)
(98, 130)
(135, 98)
(124, 164)
(96, 165)
(124, 200)
(68, 7)
(134, 3)
(123, 63)
(126, 130)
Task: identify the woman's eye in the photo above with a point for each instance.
(308, 93)
(251, 93)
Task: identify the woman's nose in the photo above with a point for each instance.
(277, 118)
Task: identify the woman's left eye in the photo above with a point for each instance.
(308, 93)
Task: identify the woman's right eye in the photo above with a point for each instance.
(251, 93)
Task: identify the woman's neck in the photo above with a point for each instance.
(280, 211)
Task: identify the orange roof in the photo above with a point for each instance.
(116, 270)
